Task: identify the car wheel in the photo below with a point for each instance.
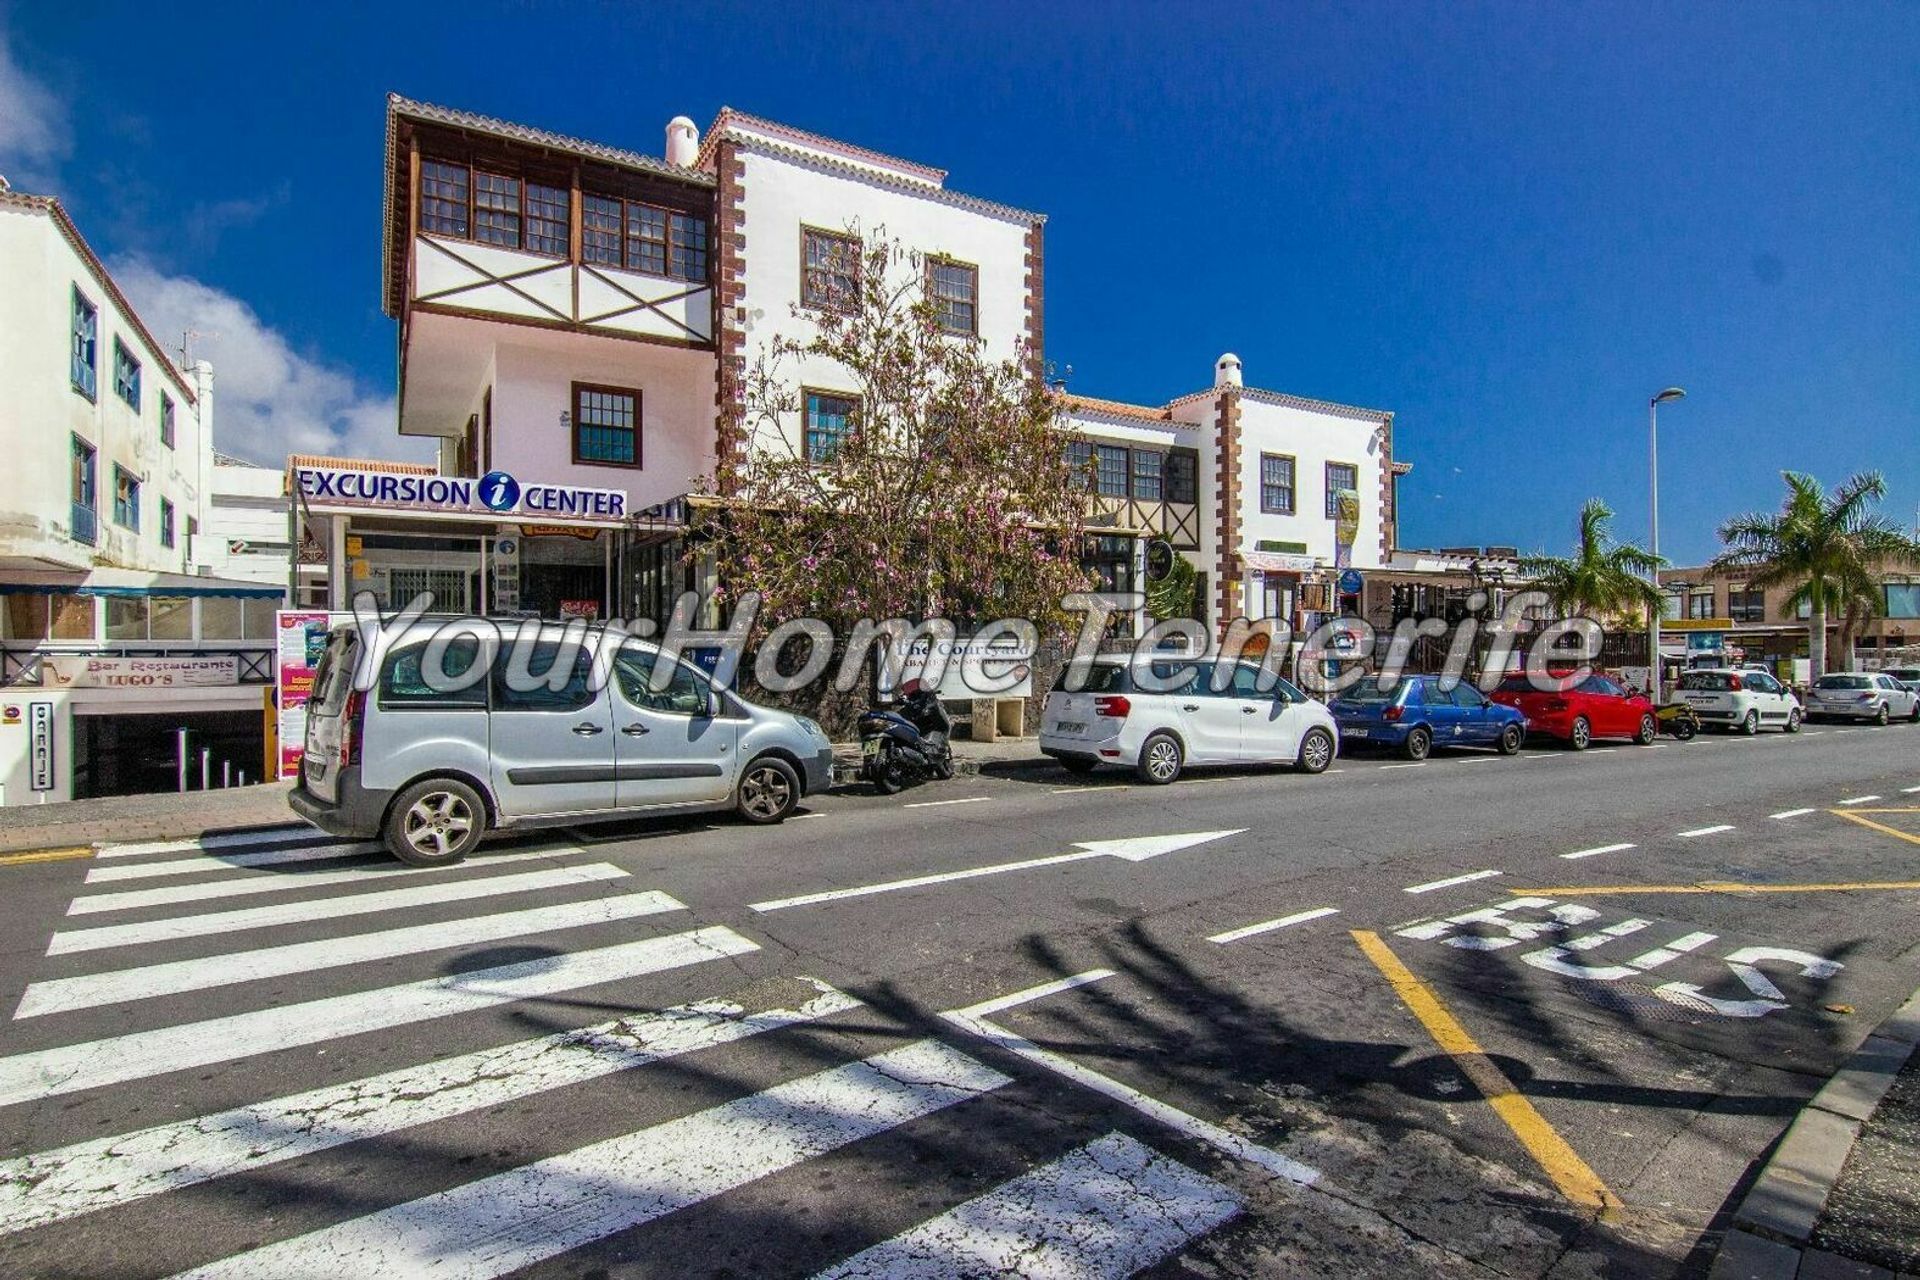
(768, 791)
(1510, 740)
(1580, 736)
(1160, 759)
(1316, 752)
(1913, 716)
(1419, 742)
(1881, 717)
(1751, 724)
(435, 823)
(1649, 730)
(1078, 764)
(1793, 721)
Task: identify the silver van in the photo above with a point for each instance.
(429, 753)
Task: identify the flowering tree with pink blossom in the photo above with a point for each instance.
(947, 493)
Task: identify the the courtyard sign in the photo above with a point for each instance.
(494, 493)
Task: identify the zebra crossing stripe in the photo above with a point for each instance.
(496, 1225)
(296, 833)
(93, 989)
(122, 935)
(170, 895)
(101, 1173)
(226, 861)
(1109, 1209)
(71, 1068)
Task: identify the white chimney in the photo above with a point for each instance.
(1226, 371)
(683, 142)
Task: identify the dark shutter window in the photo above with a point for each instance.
(1110, 470)
(496, 210)
(443, 198)
(1182, 478)
(166, 523)
(126, 499)
(126, 375)
(606, 425)
(166, 420)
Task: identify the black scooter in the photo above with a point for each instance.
(908, 743)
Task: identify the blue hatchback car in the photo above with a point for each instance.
(1417, 714)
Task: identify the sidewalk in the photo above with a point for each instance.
(165, 815)
(1839, 1199)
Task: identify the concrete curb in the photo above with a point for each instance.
(1771, 1229)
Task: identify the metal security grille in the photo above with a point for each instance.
(448, 586)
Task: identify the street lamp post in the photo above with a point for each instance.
(1653, 476)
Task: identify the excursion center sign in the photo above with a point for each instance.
(495, 493)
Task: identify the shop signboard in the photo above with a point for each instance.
(993, 665)
(40, 746)
(300, 636)
(496, 493)
(83, 672)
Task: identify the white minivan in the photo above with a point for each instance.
(1158, 715)
(509, 724)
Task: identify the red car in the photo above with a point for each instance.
(1595, 708)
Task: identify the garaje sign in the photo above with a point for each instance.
(140, 673)
(494, 493)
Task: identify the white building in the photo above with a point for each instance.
(580, 315)
(247, 532)
(1247, 485)
(113, 635)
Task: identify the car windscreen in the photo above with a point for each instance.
(1101, 677)
(1843, 682)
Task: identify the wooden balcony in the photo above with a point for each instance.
(1177, 522)
(466, 278)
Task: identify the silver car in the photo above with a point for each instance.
(483, 725)
(1862, 695)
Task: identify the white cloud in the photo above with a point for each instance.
(269, 400)
(33, 123)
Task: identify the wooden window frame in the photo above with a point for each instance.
(859, 248)
(1293, 485)
(133, 487)
(1333, 510)
(639, 453)
(1134, 475)
(1126, 469)
(166, 523)
(121, 349)
(166, 420)
(1082, 468)
(935, 260)
(523, 180)
(673, 241)
(1190, 459)
(809, 393)
(91, 387)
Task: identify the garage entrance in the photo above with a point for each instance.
(122, 755)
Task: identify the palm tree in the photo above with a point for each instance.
(1827, 547)
(1605, 578)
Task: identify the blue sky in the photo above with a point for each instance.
(1509, 224)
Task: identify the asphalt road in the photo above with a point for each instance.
(1527, 1016)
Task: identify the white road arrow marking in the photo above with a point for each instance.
(1133, 849)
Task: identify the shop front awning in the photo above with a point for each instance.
(130, 582)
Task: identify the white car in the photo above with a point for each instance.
(1158, 715)
(1862, 695)
(1745, 699)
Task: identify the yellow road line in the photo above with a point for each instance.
(1714, 886)
(47, 855)
(1882, 827)
(1549, 1150)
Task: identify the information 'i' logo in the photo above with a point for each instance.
(499, 491)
